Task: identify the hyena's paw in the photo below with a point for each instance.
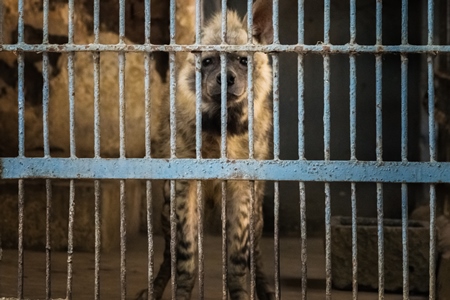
(266, 296)
(143, 295)
(264, 292)
(158, 291)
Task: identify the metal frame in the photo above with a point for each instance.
(97, 168)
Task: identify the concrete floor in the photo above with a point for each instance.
(83, 272)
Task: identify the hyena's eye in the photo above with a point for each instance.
(243, 61)
(206, 62)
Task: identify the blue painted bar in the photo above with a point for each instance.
(352, 96)
(433, 152)
(204, 169)
(172, 100)
(297, 48)
(71, 80)
(70, 250)
(20, 256)
(276, 106)
(354, 243)
(223, 105)
(123, 241)
(96, 58)
(122, 107)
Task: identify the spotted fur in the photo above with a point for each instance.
(238, 192)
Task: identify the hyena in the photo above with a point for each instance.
(238, 192)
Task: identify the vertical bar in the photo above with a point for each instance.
(404, 151)
(250, 80)
(123, 238)
(223, 113)
(45, 120)
(173, 239)
(276, 150)
(98, 238)
(326, 125)
(97, 192)
(301, 145)
(379, 150)
(148, 184)
(251, 147)
(45, 85)
(276, 107)
(354, 243)
(21, 202)
(353, 81)
(70, 239)
(224, 242)
(172, 96)
(122, 150)
(223, 105)
(198, 143)
(96, 57)
(48, 249)
(433, 152)
(70, 66)
(20, 83)
(276, 241)
(148, 197)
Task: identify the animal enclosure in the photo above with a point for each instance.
(359, 165)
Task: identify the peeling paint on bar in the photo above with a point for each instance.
(205, 169)
(320, 48)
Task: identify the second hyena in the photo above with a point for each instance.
(238, 192)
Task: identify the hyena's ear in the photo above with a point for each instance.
(262, 21)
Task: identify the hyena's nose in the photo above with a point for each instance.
(230, 79)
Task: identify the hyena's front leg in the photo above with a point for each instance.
(263, 289)
(238, 210)
(187, 228)
(238, 213)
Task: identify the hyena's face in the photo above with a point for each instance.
(236, 78)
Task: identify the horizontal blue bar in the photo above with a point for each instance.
(204, 169)
(298, 48)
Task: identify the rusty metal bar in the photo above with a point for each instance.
(198, 145)
(276, 150)
(98, 238)
(301, 145)
(70, 67)
(379, 149)
(404, 150)
(148, 184)
(122, 154)
(224, 242)
(241, 169)
(223, 149)
(46, 144)
(327, 154)
(352, 96)
(70, 251)
(319, 49)
(20, 82)
(20, 254)
(173, 128)
(97, 187)
(123, 241)
(433, 150)
(48, 247)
